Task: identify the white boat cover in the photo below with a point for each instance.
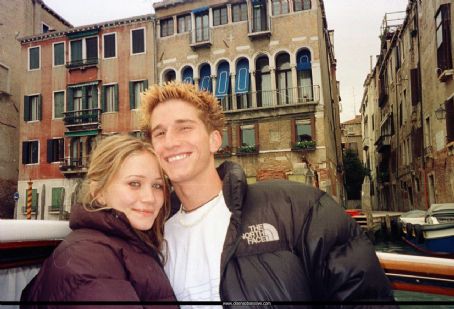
(29, 230)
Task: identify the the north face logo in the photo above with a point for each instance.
(259, 233)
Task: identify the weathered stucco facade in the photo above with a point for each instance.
(414, 103)
(18, 18)
(275, 81)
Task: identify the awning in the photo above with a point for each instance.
(242, 76)
(200, 10)
(82, 34)
(304, 61)
(81, 133)
(205, 78)
(188, 76)
(96, 82)
(223, 80)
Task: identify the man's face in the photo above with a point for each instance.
(182, 142)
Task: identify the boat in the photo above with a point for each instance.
(432, 231)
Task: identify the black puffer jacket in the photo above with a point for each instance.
(102, 259)
(291, 242)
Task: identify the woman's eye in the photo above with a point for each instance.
(157, 186)
(134, 184)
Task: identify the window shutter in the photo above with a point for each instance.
(69, 100)
(116, 98)
(414, 86)
(61, 149)
(95, 97)
(34, 199)
(35, 150)
(84, 98)
(447, 35)
(40, 107)
(26, 108)
(49, 151)
(449, 106)
(145, 84)
(25, 151)
(256, 131)
(131, 95)
(103, 99)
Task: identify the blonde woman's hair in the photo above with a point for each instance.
(106, 160)
(210, 111)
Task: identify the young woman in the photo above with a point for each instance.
(113, 252)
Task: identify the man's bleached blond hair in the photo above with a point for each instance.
(210, 111)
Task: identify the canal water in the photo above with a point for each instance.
(418, 300)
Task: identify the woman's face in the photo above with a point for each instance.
(137, 190)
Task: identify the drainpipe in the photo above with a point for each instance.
(155, 51)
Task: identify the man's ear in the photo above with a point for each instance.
(215, 141)
(100, 197)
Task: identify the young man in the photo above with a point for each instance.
(230, 241)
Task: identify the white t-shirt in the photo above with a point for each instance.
(194, 246)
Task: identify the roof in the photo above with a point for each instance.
(48, 35)
(53, 13)
(166, 3)
(356, 120)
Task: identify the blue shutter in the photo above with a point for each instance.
(188, 76)
(242, 76)
(304, 60)
(205, 78)
(223, 81)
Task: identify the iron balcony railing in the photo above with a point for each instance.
(83, 116)
(271, 98)
(201, 37)
(82, 63)
(73, 164)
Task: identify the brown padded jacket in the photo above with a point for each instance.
(102, 259)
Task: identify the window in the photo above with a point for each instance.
(239, 12)
(110, 46)
(304, 76)
(226, 139)
(109, 98)
(242, 84)
(220, 16)
(32, 107)
(263, 82)
(205, 77)
(138, 41)
(248, 139)
(202, 27)
(443, 36)
(303, 130)
(166, 27)
(84, 51)
(58, 195)
(427, 137)
(169, 76)
(30, 151)
(138, 134)
(135, 88)
(34, 58)
(82, 104)
(59, 54)
(55, 150)
(300, 5)
(59, 104)
(280, 7)
(449, 106)
(259, 16)
(415, 86)
(184, 23)
(284, 79)
(45, 28)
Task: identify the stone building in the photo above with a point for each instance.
(351, 136)
(414, 108)
(17, 19)
(276, 83)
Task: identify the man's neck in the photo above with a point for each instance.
(197, 193)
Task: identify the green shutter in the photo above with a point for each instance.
(95, 97)
(131, 95)
(40, 107)
(69, 100)
(26, 108)
(84, 98)
(49, 150)
(116, 98)
(103, 99)
(35, 196)
(57, 197)
(145, 84)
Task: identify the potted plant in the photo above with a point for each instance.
(309, 145)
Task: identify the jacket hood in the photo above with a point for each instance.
(108, 221)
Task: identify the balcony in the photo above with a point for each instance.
(383, 143)
(201, 38)
(82, 64)
(247, 150)
(259, 29)
(74, 167)
(83, 119)
(223, 152)
(308, 95)
(304, 146)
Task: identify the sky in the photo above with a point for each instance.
(356, 25)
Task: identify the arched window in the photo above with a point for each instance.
(304, 76)
(205, 77)
(284, 79)
(242, 84)
(188, 75)
(223, 90)
(169, 76)
(263, 81)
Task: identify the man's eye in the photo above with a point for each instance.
(157, 186)
(158, 133)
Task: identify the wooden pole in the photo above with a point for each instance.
(29, 200)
